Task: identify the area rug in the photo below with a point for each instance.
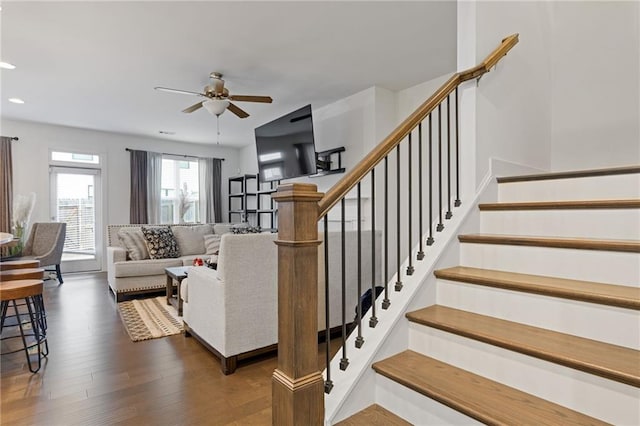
(147, 319)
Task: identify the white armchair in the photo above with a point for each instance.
(234, 311)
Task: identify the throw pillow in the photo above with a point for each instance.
(190, 238)
(160, 242)
(212, 243)
(133, 241)
(245, 229)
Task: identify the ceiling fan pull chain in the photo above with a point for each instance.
(218, 128)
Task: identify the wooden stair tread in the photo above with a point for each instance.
(485, 400)
(573, 243)
(572, 174)
(602, 359)
(563, 205)
(586, 291)
(374, 415)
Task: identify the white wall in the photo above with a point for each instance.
(31, 162)
(513, 101)
(567, 96)
(595, 94)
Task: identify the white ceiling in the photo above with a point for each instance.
(94, 64)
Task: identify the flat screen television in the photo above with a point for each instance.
(286, 147)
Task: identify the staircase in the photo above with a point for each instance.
(539, 323)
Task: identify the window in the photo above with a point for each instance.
(74, 157)
(180, 201)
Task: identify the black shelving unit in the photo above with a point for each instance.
(250, 201)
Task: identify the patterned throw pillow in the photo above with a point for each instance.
(133, 241)
(245, 229)
(160, 242)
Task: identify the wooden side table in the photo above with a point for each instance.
(177, 274)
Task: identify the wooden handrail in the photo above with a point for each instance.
(339, 190)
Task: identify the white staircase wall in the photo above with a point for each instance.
(592, 395)
(617, 326)
(586, 223)
(586, 188)
(601, 266)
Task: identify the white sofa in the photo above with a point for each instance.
(126, 276)
(233, 311)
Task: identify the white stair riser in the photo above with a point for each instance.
(415, 407)
(590, 265)
(617, 326)
(601, 223)
(605, 399)
(588, 188)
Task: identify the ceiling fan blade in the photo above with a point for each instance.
(193, 107)
(237, 111)
(243, 98)
(182, 92)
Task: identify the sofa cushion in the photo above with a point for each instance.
(141, 268)
(160, 242)
(212, 243)
(133, 241)
(190, 239)
(222, 228)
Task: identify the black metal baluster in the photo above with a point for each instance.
(410, 268)
(420, 220)
(344, 361)
(457, 203)
(386, 302)
(359, 338)
(440, 226)
(398, 285)
(430, 239)
(449, 213)
(373, 321)
(328, 384)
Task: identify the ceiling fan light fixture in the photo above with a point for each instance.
(216, 106)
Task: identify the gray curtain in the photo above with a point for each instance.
(138, 204)
(154, 186)
(210, 178)
(216, 190)
(205, 180)
(6, 184)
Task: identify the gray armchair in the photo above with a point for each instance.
(45, 244)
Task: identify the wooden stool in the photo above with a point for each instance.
(22, 274)
(19, 264)
(31, 292)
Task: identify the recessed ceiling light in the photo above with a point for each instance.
(7, 66)
(16, 100)
(165, 132)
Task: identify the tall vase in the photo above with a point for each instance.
(18, 232)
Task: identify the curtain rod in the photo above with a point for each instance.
(14, 138)
(179, 155)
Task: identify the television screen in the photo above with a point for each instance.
(285, 147)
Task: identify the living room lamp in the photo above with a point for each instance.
(216, 107)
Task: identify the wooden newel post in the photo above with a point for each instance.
(297, 383)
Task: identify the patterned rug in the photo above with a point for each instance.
(147, 319)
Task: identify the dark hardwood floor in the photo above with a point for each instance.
(95, 375)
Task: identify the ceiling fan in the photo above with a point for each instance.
(218, 99)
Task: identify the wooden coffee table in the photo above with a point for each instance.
(177, 274)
